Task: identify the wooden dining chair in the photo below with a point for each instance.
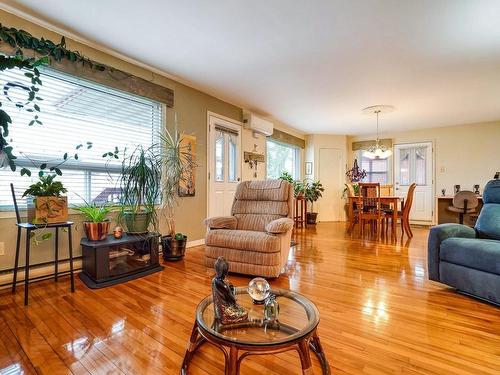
(404, 214)
(369, 206)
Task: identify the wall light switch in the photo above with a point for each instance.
(2, 248)
(442, 170)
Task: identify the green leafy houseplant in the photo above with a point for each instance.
(46, 203)
(94, 213)
(43, 51)
(46, 186)
(177, 163)
(96, 222)
(140, 184)
(298, 186)
(312, 192)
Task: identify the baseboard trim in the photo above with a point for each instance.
(38, 273)
(195, 243)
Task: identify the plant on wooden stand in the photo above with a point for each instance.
(140, 184)
(178, 164)
(96, 222)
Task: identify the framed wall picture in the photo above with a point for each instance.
(309, 168)
(187, 186)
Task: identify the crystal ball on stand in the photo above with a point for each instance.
(259, 290)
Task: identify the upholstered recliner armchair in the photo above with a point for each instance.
(468, 259)
(255, 239)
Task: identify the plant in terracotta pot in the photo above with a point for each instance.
(312, 192)
(178, 165)
(140, 184)
(96, 222)
(46, 204)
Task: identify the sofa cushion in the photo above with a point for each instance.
(243, 240)
(478, 254)
(488, 222)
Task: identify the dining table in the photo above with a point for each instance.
(396, 203)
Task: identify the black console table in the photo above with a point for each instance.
(114, 261)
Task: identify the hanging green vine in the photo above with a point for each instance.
(21, 40)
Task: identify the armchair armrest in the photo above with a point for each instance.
(279, 226)
(437, 235)
(221, 222)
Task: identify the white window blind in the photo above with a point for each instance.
(74, 111)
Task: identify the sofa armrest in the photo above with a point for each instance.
(221, 222)
(437, 235)
(279, 226)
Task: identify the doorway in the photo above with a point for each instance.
(413, 163)
(331, 175)
(223, 163)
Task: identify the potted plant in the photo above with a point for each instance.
(178, 164)
(96, 222)
(298, 186)
(140, 184)
(312, 192)
(45, 203)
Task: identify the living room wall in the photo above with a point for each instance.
(463, 154)
(191, 107)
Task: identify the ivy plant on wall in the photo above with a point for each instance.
(45, 50)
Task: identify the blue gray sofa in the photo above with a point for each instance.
(468, 259)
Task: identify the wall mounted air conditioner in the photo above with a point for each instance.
(257, 124)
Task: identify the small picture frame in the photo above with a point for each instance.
(309, 168)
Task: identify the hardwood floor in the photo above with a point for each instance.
(379, 315)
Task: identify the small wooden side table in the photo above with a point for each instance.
(300, 212)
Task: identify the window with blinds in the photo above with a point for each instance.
(74, 111)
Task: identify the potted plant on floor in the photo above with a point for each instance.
(140, 184)
(96, 222)
(312, 192)
(45, 203)
(178, 164)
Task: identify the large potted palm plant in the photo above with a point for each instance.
(140, 184)
(178, 164)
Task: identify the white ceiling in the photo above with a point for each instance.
(310, 64)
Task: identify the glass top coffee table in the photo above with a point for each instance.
(295, 329)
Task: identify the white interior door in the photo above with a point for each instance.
(224, 164)
(413, 163)
(331, 175)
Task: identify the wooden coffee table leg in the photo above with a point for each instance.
(232, 364)
(194, 342)
(316, 347)
(305, 358)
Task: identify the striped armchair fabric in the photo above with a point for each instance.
(255, 239)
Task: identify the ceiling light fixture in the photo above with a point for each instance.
(378, 151)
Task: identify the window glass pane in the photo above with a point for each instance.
(74, 111)
(232, 158)
(421, 165)
(404, 166)
(281, 158)
(377, 170)
(219, 156)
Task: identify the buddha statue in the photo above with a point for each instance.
(226, 309)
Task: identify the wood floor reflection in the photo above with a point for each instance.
(379, 315)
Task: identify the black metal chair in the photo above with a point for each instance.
(29, 229)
